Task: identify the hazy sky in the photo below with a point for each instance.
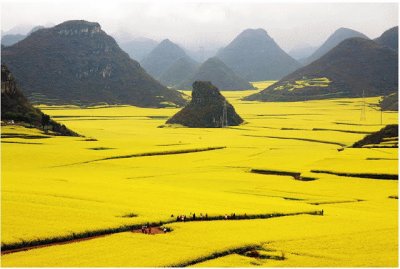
(208, 23)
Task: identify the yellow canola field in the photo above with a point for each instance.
(51, 189)
(261, 85)
(336, 239)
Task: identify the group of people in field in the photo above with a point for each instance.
(231, 216)
(146, 229)
(192, 216)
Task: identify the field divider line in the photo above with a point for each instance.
(248, 250)
(147, 154)
(343, 131)
(77, 237)
(295, 175)
(216, 255)
(336, 202)
(361, 175)
(300, 139)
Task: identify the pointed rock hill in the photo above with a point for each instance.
(208, 109)
(180, 70)
(390, 38)
(76, 62)
(334, 39)
(161, 57)
(354, 66)
(219, 74)
(255, 56)
(14, 106)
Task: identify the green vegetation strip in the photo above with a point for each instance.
(26, 143)
(300, 139)
(23, 136)
(46, 242)
(356, 124)
(100, 148)
(336, 202)
(158, 153)
(148, 154)
(381, 159)
(251, 251)
(362, 175)
(295, 175)
(215, 255)
(344, 131)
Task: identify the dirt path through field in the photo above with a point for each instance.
(154, 230)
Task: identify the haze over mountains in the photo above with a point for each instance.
(11, 39)
(161, 57)
(179, 71)
(302, 52)
(355, 66)
(333, 40)
(170, 64)
(219, 74)
(201, 54)
(255, 56)
(77, 62)
(8, 40)
(138, 47)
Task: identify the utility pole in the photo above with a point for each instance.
(363, 117)
(381, 107)
(224, 116)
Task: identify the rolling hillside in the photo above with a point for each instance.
(355, 66)
(76, 62)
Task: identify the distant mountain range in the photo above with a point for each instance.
(138, 48)
(77, 62)
(354, 66)
(179, 71)
(255, 56)
(302, 52)
(162, 57)
(201, 54)
(11, 39)
(8, 40)
(15, 107)
(219, 74)
(333, 40)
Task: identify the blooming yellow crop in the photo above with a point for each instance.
(56, 186)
